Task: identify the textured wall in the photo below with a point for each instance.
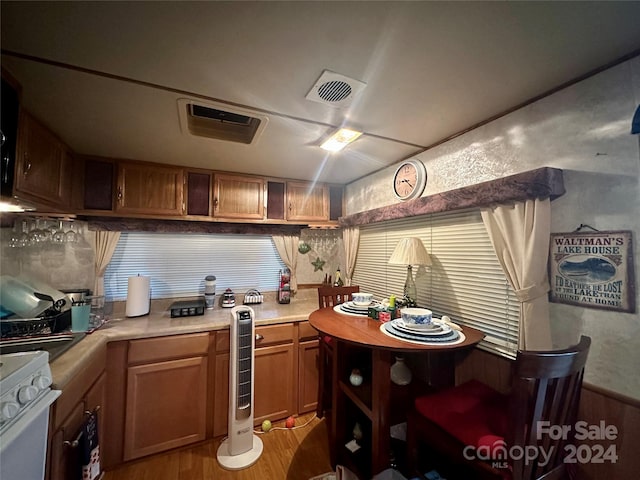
(66, 266)
(584, 130)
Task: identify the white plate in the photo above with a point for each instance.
(421, 341)
(435, 328)
(350, 304)
(426, 327)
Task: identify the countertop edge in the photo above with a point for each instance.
(159, 324)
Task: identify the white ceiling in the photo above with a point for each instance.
(432, 69)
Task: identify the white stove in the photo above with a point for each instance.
(25, 398)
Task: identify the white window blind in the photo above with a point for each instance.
(465, 282)
(178, 263)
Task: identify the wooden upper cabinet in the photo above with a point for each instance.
(198, 193)
(148, 188)
(43, 164)
(99, 178)
(238, 197)
(306, 201)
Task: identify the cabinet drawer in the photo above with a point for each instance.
(305, 331)
(270, 335)
(273, 334)
(162, 348)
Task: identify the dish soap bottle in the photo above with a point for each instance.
(338, 281)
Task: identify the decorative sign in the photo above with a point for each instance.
(593, 269)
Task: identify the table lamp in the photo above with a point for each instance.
(410, 251)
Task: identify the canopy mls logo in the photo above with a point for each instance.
(501, 456)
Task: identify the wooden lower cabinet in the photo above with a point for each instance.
(308, 376)
(274, 383)
(85, 393)
(166, 397)
(166, 406)
(273, 396)
(285, 375)
(168, 392)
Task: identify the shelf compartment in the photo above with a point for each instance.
(360, 396)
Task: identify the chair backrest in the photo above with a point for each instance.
(545, 394)
(332, 296)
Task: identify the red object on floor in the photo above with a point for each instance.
(290, 422)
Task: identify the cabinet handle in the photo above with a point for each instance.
(215, 203)
(73, 443)
(290, 206)
(5, 178)
(27, 165)
(259, 337)
(76, 441)
(120, 195)
(89, 412)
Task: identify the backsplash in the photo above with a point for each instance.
(61, 265)
(71, 265)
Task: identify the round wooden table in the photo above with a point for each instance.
(374, 397)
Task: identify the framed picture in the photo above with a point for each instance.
(593, 270)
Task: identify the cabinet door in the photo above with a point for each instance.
(95, 402)
(307, 376)
(274, 383)
(237, 196)
(64, 455)
(98, 184)
(166, 406)
(273, 397)
(149, 189)
(198, 194)
(307, 202)
(42, 163)
(221, 398)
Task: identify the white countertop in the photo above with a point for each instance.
(158, 324)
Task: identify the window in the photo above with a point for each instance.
(178, 263)
(465, 281)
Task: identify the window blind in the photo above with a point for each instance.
(178, 263)
(465, 280)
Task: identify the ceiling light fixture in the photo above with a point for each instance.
(340, 139)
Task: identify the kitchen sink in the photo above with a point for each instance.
(55, 344)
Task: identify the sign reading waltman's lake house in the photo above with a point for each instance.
(593, 269)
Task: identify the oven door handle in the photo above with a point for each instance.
(22, 422)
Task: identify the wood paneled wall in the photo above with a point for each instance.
(596, 405)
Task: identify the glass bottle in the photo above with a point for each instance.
(338, 281)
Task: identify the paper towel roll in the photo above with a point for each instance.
(138, 296)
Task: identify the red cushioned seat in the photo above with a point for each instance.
(473, 413)
(463, 430)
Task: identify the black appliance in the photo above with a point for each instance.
(187, 308)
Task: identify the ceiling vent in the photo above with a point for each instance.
(335, 89)
(220, 122)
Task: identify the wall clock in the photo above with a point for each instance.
(410, 179)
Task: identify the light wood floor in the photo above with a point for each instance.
(297, 454)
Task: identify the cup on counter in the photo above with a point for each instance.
(80, 317)
(96, 313)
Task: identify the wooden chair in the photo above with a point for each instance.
(328, 297)
(451, 425)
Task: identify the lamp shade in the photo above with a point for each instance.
(410, 251)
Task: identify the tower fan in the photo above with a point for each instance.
(241, 448)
